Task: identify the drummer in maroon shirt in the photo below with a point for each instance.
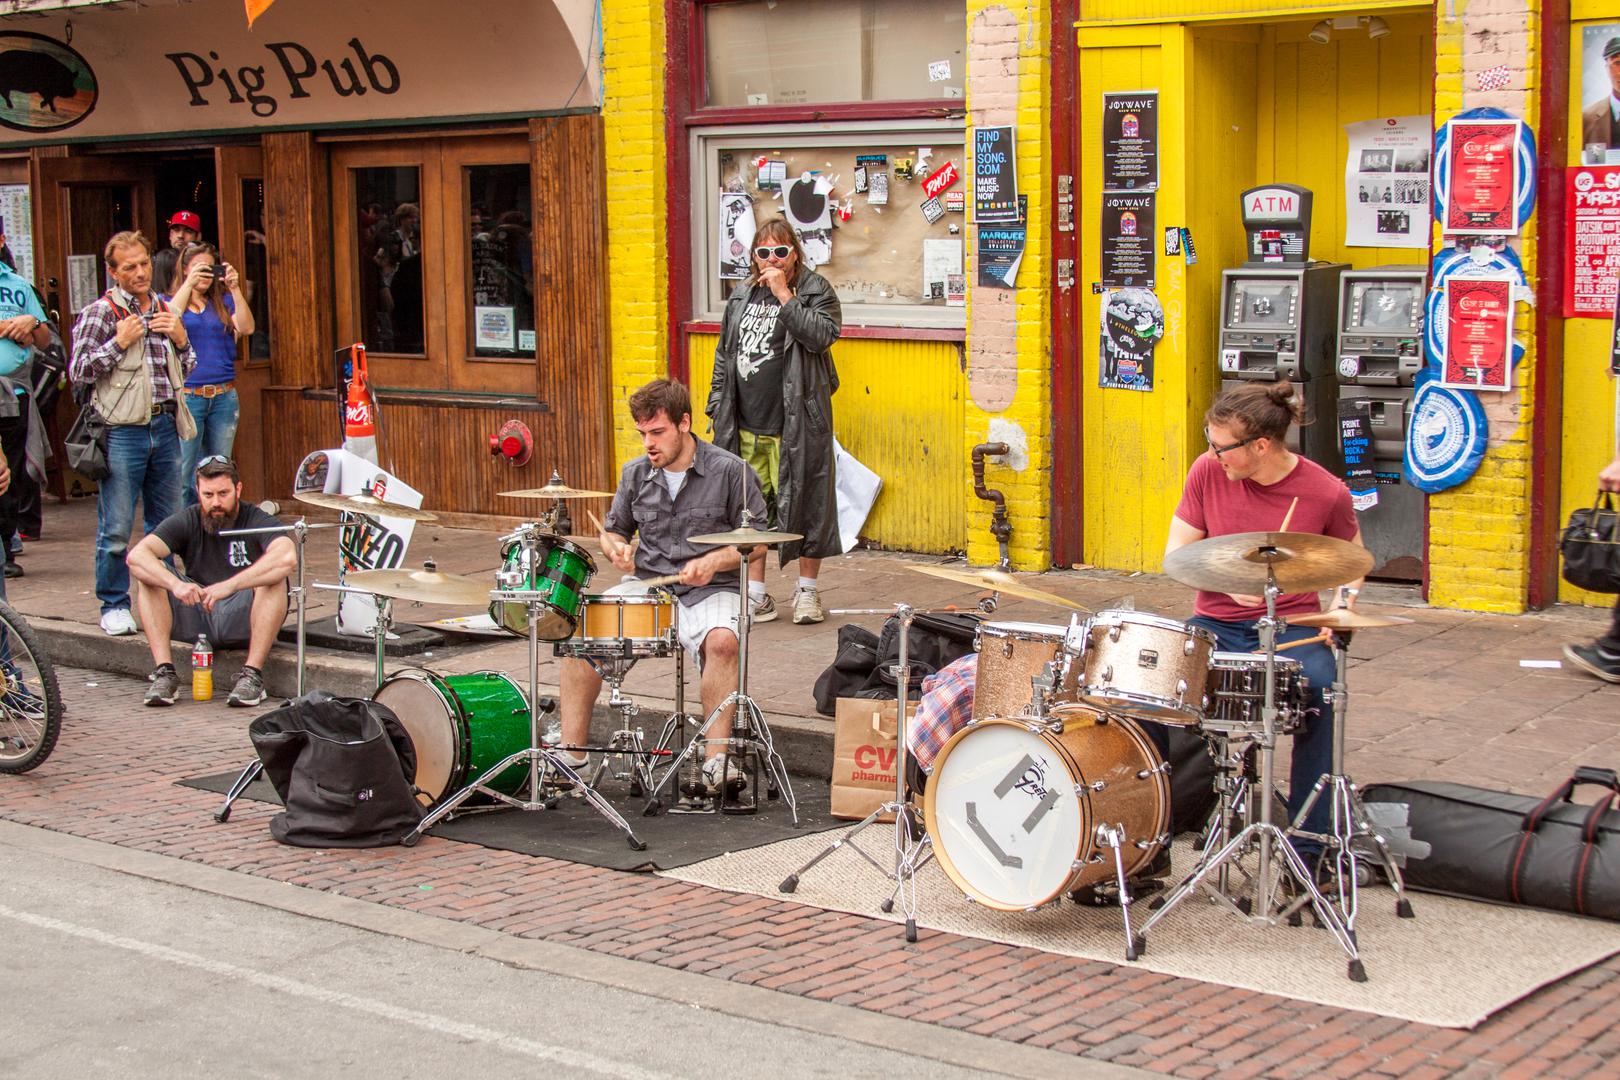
(1246, 483)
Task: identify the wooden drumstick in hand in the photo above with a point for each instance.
(1288, 517)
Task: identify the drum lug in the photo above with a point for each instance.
(1108, 675)
(1114, 631)
(1189, 646)
(1181, 689)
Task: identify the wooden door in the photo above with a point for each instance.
(239, 179)
(80, 203)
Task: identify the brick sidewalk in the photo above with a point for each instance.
(112, 779)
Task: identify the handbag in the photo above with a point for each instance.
(1591, 546)
(86, 444)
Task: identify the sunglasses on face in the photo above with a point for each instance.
(780, 251)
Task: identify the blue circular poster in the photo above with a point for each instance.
(1445, 436)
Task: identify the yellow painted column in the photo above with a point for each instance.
(633, 37)
(1479, 531)
(1009, 350)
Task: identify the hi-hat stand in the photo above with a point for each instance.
(1262, 833)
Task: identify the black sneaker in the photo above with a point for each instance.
(248, 691)
(14, 570)
(165, 686)
(1591, 659)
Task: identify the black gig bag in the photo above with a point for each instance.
(935, 641)
(1549, 853)
(851, 667)
(343, 768)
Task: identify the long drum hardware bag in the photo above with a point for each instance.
(1549, 853)
(1591, 546)
(344, 768)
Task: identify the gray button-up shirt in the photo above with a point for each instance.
(712, 499)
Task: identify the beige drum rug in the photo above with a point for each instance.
(1452, 966)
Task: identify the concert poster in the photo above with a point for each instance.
(1128, 239)
(1591, 241)
(1479, 333)
(1484, 177)
(1131, 141)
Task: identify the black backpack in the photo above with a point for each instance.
(865, 664)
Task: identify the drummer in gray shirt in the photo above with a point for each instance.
(681, 487)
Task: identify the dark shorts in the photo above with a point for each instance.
(227, 626)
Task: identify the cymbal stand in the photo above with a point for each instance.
(1351, 827)
(534, 755)
(749, 732)
(1263, 833)
(300, 531)
(912, 847)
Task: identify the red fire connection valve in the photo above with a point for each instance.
(514, 442)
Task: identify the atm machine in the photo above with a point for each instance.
(1379, 354)
(1277, 313)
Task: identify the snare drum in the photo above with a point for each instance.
(1013, 808)
(628, 626)
(1147, 666)
(460, 725)
(1010, 655)
(558, 570)
(1237, 689)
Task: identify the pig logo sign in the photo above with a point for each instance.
(44, 84)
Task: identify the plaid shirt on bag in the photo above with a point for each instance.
(96, 351)
(945, 708)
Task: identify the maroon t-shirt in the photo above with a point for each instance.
(1220, 507)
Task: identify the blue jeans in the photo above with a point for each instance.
(216, 433)
(145, 464)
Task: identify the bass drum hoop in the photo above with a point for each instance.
(454, 715)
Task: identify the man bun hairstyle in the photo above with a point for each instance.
(1258, 410)
(661, 396)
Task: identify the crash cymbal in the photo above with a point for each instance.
(363, 503)
(423, 586)
(555, 491)
(1236, 563)
(739, 537)
(996, 581)
(1346, 619)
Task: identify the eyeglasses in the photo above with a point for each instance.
(1220, 450)
(215, 459)
(781, 251)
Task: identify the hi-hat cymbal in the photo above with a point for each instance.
(1237, 562)
(1346, 619)
(996, 581)
(739, 537)
(363, 503)
(555, 491)
(423, 586)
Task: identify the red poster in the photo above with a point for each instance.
(1591, 241)
(1479, 332)
(1483, 180)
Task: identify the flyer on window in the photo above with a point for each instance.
(1483, 185)
(1386, 182)
(1479, 333)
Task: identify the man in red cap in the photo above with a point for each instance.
(185, 227)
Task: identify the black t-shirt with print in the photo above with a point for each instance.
(209, 557)
(761, 338)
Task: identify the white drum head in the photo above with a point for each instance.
(1006, 821)
(426, 719)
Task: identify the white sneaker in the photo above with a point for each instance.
(118, 622)
(807, 606)
(736, 777)
(765, 610)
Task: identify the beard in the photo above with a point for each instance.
(215, 520)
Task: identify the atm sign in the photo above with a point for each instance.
(1273, 204)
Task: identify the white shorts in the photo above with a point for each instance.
(692, 622)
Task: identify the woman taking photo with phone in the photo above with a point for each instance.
(208, 297)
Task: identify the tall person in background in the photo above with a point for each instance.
(1602, 657)
(771, 404)
(208, 295)
(185, 229)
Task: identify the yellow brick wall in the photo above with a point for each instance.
(1016, 92)
(633, 116)
(1479, 532)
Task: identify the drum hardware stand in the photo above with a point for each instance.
(750, 734)
(1351, 825)
(534, 754)
(627, 743)
(1264, 832)
(912, 848)
(300, 531)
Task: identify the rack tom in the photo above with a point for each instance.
(1011, 655)
(556, 571)
(1147, 666)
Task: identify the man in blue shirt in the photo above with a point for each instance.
(22, 326)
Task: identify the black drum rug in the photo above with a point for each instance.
(576, 833)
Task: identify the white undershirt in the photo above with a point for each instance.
(674, 481)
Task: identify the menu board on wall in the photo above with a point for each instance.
(1483, 185)
(1479, 332)
(1131, 141)
(1128, 234)
(17, 222)
(1591, 241)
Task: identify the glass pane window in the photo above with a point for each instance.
(500, 258)
(256, 274)
(804, 52)
(388, 220)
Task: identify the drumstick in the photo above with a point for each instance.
(598, 523)
(1290, 515)
(1318, 639)
(667, 579)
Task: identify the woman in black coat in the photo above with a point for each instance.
(771, 404)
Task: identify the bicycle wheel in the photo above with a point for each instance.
(30, 700)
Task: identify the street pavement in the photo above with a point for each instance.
(1445, 697)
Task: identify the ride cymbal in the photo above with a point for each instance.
(1346, 619)
(423, 586)
(1237, 562)
(739, 537)
(555, 491)
(363, 503)
(995, 581)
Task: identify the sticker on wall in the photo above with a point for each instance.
(805, 204)
(736, 235)
(1445, 438)
(1132, 325)
(45, 85)
(1484, 173)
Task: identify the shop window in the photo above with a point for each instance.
(890, 263)
(256, 273)
(500, 253)
(388, 253)
(807, 52)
